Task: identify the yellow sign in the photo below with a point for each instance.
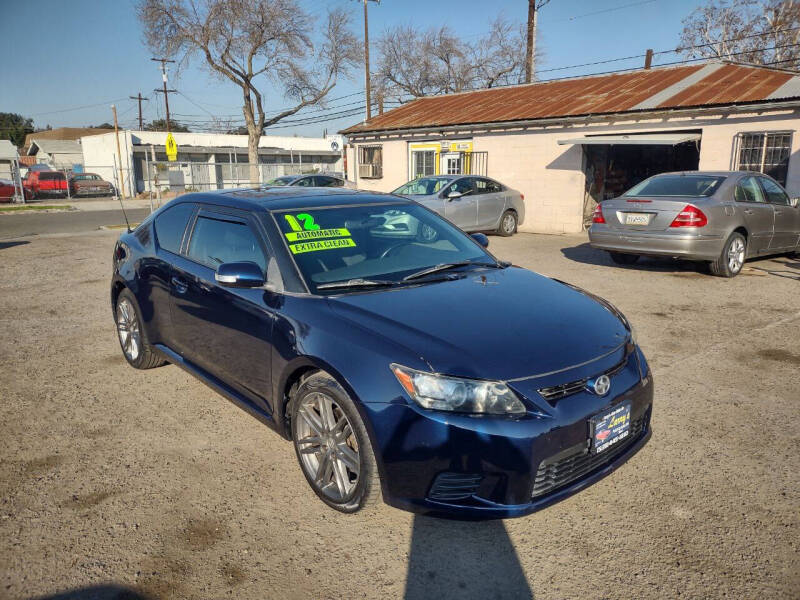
(172, 148)
(323, 245)
(298, 236)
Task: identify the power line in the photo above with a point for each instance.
(605, 10)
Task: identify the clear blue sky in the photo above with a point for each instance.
(90, 52)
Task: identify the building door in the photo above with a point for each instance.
(451, 163)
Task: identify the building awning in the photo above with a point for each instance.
(645, 139)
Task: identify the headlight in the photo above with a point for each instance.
(455, 394)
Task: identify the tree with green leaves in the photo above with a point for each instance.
(15, 127)
(161, 125)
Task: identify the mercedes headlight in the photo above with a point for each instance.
(455, 394)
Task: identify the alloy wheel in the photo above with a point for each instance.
(327, 447)
(128, 329)
(736, 255)
(509, 223)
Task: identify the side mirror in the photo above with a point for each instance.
(453, 195)
(795, 202)
(481, 239)
(243, 274)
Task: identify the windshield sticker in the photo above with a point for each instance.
(298, 236)
(308, 222)
(323, 245)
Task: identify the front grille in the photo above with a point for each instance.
(454, 486)
(573, 463)
(557, 392)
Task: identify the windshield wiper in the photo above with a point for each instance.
(358, 282)
(453, 265)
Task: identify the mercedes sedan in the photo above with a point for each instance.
(385, 357)
(719, 217)
(472, 203)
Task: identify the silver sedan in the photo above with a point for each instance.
(721, 217)
(470, 202)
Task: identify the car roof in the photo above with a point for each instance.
(709, 173)
(287, 198)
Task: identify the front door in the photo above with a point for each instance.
(225, 331)
(787, 217)
(759, 217)
(451, 163)
(461, 210)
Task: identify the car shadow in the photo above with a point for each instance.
(584, 253)
(4, 245)
(463, 559)
(109, 591)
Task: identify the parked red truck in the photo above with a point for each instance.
(45, 183)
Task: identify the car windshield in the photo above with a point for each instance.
(424, 186)
(694, 186)
(285, 180)
(373, 244)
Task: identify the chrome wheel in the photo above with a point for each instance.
(327, 447)
(128, 328)
(736, 255)
(509, 224)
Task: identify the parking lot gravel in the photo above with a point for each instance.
(113, 479)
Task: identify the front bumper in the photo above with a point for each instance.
(693, 246)
(469, 467)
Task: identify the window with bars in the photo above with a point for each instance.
(370, 162)
(423, 163)
(765, 152)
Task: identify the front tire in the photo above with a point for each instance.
(622, 258)
(508, 224)
(332, 445)
(731, 260)
(132, 338)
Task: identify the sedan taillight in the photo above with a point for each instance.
(597, 216)
(690, 216)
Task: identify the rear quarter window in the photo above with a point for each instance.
(170, 226)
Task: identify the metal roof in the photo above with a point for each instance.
(642, 139)
(55, 146)
(8, 151)
(708, 84)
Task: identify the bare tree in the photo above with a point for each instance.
(250, 42)
(764, 32)
(437, 61)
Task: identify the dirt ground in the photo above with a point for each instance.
(116, 483)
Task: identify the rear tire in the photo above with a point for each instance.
(731, 259)
(622, 258)
(332, 445)
(132, 337)
(508, 224)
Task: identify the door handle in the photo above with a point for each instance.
(179, 284)
(747, 211)
(778, 212)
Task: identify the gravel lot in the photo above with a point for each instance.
(151, 482)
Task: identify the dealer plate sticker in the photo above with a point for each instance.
(637, 218)
(611, 427)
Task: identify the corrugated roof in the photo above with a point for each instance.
(55, 146)
(594, 95)
(64, 133)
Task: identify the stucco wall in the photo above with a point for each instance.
(551, 176)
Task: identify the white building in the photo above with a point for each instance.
(566, 144)
(59, 154)
(205, 160)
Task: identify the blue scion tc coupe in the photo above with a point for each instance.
(400, 358)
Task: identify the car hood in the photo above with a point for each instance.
(491, 324)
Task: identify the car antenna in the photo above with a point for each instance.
(124, 214)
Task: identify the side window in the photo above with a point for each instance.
(305, 182)
(480, 186)
(325, 181)
(493, 187)
(775, 193)
(748, 190)
(170, 226)
(462, 185)
(216, 241)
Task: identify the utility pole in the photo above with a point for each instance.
(139, 98)
(366, 56)
(533, 15)
(164, 62)
(119, 152)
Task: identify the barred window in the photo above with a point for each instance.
(370, 162)
(766, 152)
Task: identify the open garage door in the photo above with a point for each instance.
(615, 163)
